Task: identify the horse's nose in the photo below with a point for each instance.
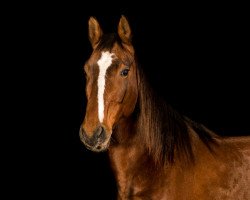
(98, 136)
(99, 133)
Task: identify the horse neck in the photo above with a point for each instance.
(125, 133)
(127, 145)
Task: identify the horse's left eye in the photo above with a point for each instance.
(124, 72)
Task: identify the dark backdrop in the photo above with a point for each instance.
(195, 56)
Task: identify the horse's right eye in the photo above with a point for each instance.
(124, 72)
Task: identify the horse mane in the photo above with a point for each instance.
(165, 132)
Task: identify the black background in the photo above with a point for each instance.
(195, 56)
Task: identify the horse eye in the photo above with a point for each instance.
(124, 72)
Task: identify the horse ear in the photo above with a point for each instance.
(124, 30)
(95, 31)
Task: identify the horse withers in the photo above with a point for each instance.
(155, 152)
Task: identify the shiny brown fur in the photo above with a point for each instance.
(155, 152)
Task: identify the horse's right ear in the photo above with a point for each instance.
(95, 32)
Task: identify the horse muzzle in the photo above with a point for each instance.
(98, 141)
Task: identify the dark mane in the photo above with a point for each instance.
(166, 132)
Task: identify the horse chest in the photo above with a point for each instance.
(136, 178)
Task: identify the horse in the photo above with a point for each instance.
(155, 152)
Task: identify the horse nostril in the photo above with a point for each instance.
(100, 132)
(82, 133)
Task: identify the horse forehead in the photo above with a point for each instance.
(106, 59)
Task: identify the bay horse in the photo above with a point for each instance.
(155, 152)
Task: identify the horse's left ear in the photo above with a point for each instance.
(124, 30)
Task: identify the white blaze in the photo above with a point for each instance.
(104, 63)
